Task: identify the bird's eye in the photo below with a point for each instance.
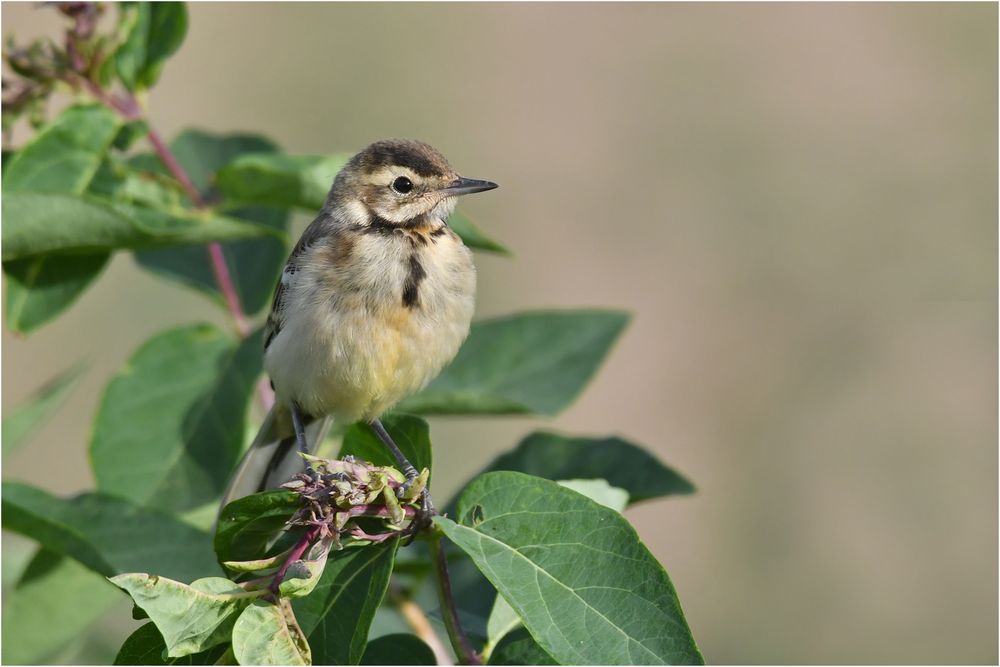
(402, 185)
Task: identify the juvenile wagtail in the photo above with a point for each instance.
(375, 298)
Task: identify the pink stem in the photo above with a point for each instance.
(130, 109)
(459, 640)
(219, 266)
(295, 555)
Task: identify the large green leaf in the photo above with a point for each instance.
(145, 646)
(266, 634)
(620, 462)
(64, 155)
(170, 425)
(38, 223)
(108, 535)
(191, 618)
(581, 460)
(303, 181)
(411, 434)
(155, 30)
(575, 571)
(398, 649)
(254, 264)
(62, 158)
(336, 616)
(38, 621)
(503, 619)
(23, 420)
(530, 363)
(40, 288)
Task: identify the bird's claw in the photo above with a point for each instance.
(422, 519)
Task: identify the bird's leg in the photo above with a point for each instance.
(426, 505)
(300, 437)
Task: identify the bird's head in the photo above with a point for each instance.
(400, 182)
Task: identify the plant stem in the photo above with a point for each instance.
(130, 109)
(219, 267)
(421, 626)
(294, 555)
(459, 641)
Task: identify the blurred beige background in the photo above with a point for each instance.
(797, 202)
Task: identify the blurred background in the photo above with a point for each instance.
(797, 202)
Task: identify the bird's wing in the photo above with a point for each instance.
(317, 230)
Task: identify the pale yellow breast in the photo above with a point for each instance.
(354, 349)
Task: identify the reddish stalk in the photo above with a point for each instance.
(219, 267)
(294, 555)
(130, 110)
(449, 611)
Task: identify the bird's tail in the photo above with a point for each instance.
(273, 458)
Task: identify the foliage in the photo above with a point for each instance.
(534, 571)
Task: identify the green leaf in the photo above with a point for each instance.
(620, 462)
(145, 646)
(277, 179)
(254, 264)
(336, 616)
(155, 30)
(530, 363)
(108, 535)
(576, 573)
(64, 155)
(247, 526)
(303, 575)
(42, 287)
(183, 395)
(410, 433)
(191, 619)
(24, 419)
(518, 648)
(39, 223)
(398, 649)
(118, 181)
(130, 133)
(62, 158)
(266, 634)
(502, 621)
(37, 618)
(472, 236)
(36, 223)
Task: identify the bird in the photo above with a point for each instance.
(375, 298)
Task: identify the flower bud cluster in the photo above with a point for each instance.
(336, 493)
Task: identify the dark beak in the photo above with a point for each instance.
(466, 186)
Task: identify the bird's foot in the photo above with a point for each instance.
(422, 519)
